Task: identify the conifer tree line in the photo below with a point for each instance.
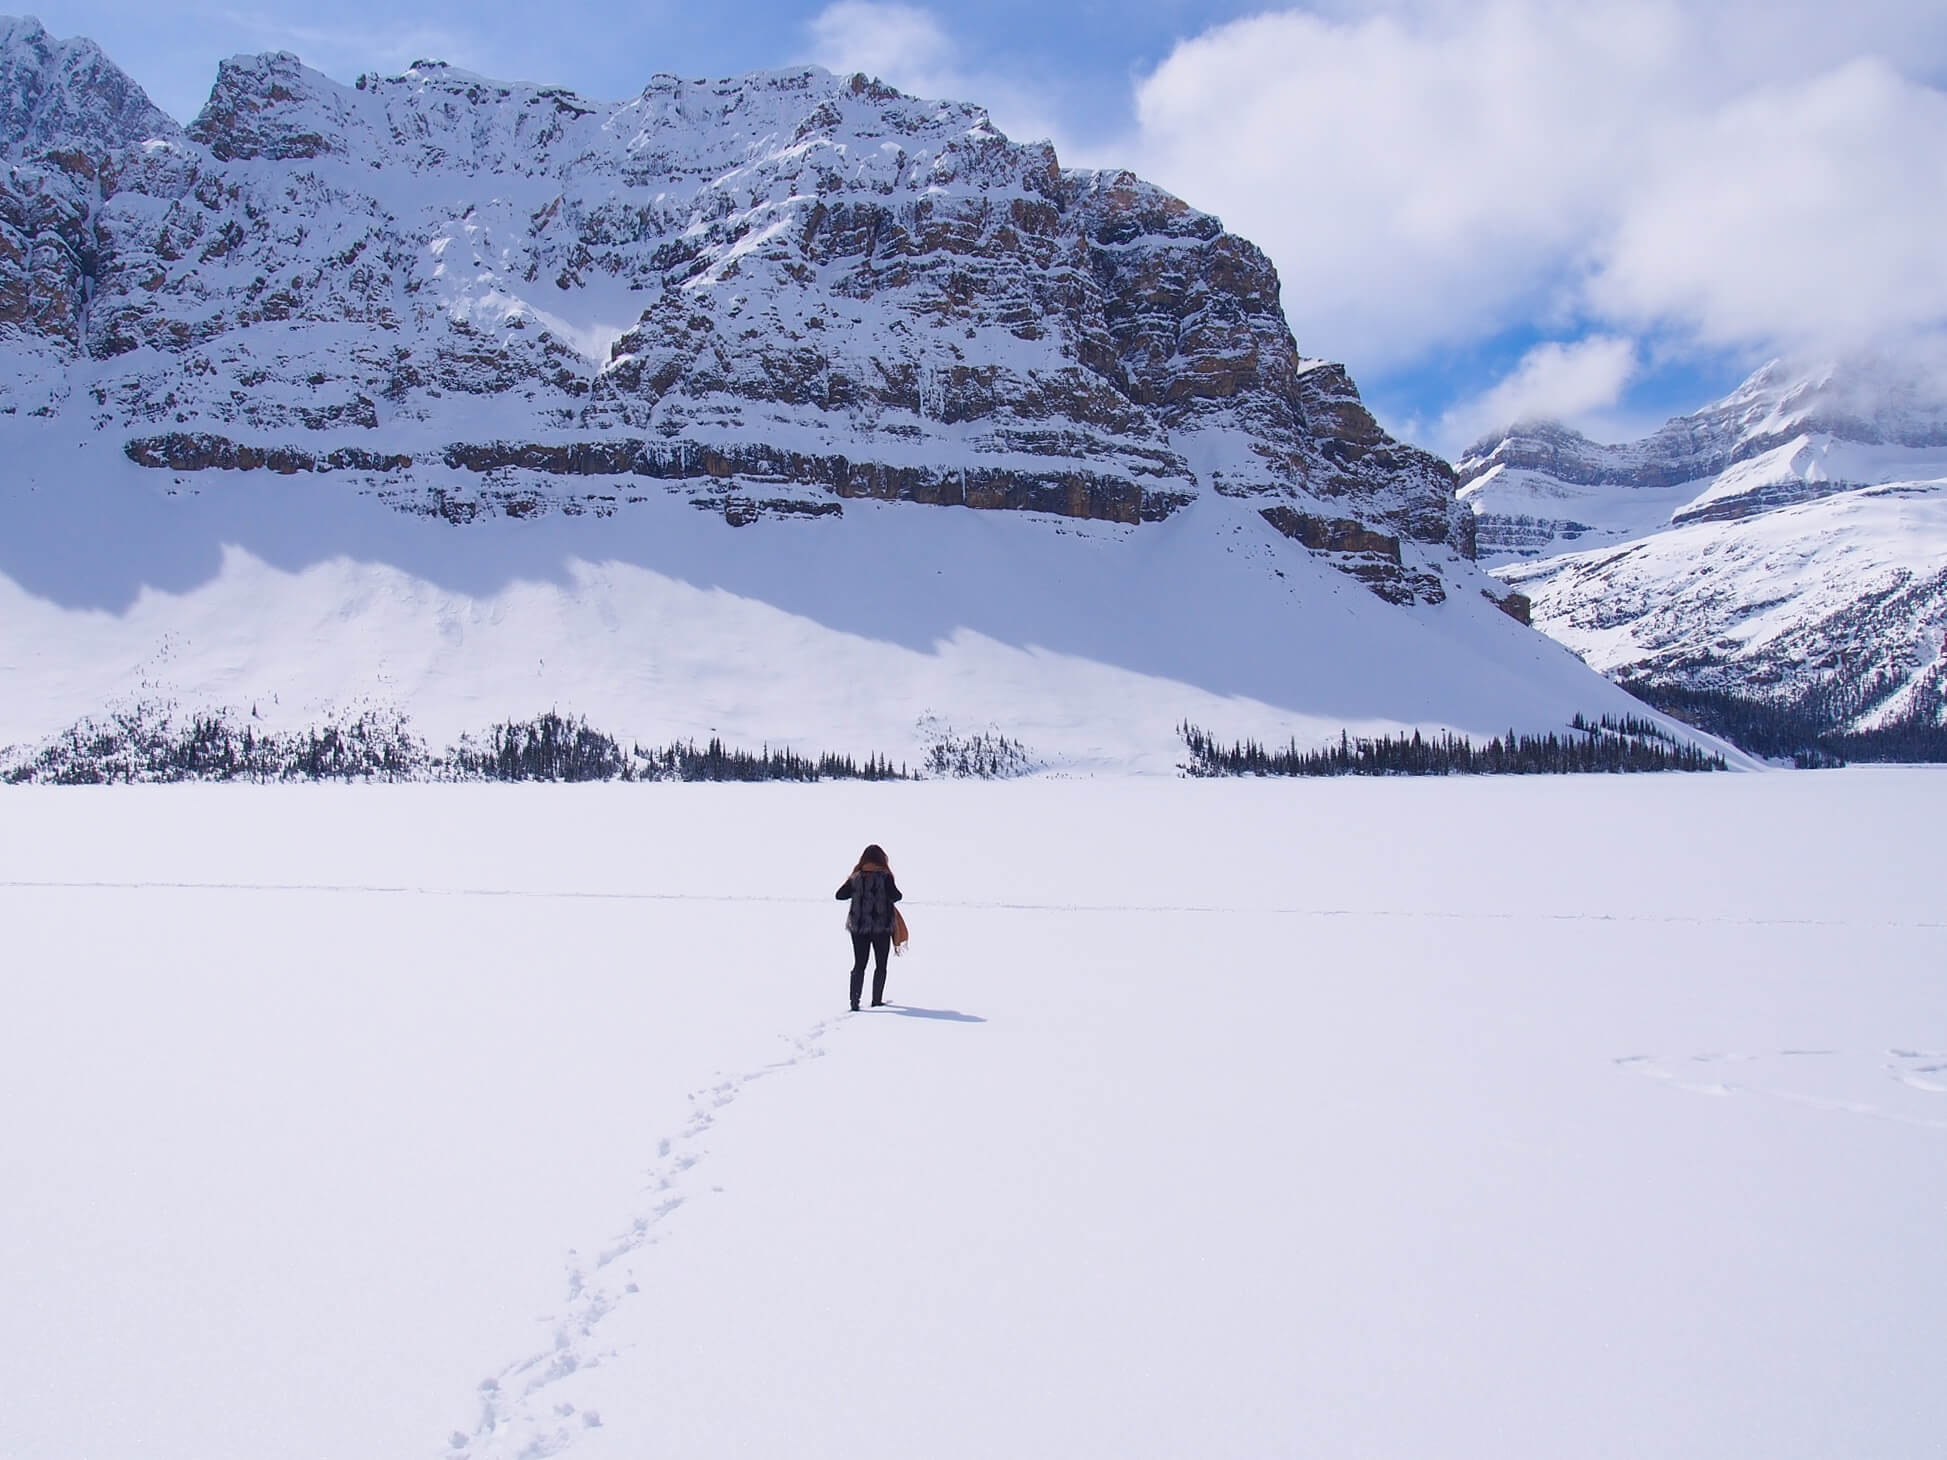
(147, 743)
(550, 747)
(1805, 729)
(1607, 746)
(554, 747)
(682, 761)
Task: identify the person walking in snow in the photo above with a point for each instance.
(871, 918)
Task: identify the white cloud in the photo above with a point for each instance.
(881, 40)
(1578, 382)
(907, 47)
(1708, 176)
(1803, 216)
(1420, 181)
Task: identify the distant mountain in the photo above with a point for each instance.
(1774, 564)
(790, 299)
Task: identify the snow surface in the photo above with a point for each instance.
(1567, 1116)
(1090, 642)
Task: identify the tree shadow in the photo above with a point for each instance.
(951, 1016)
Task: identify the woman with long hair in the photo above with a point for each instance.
(872, 893)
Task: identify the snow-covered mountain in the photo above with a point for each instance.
(787, 281)
(819, 310)
(66, 96)
(1784, 549)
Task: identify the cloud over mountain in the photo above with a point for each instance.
(1428, 175)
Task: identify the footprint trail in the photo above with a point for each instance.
(525, 1412)
(1887, 1084)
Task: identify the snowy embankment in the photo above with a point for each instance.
(293, 603)
(1577, 1116)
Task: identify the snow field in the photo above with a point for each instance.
(1577, 1116)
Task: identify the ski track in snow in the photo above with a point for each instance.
(1769, 1075)
(517, 1420)
(977, 905)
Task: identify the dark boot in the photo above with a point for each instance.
(861, 950)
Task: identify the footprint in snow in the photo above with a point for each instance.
(1854, 1082)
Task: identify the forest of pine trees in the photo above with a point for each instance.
(149, 743)
(146, 743)
(682, 761)
(1607, 745)
(550, 747)
(1804, 730)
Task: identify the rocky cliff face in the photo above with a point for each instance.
(64, 109)
(772, 294)
(1785, 546)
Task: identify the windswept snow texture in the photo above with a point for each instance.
(1786, 543)
(1209, 1119)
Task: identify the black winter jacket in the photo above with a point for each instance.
(873, 894)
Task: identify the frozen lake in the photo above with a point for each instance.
(1497, 1118)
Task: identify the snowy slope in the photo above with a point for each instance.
(1089, 642)
(1242, 1119)
(1786, 545)
(1845, 594)
(786, 407)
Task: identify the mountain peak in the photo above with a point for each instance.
(269, 105)
(67, 93)
(1867, 400)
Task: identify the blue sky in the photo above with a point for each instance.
(1489, 209)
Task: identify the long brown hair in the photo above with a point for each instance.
(872, 859)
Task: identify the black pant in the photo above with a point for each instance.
(878, 944)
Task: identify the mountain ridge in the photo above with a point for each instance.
(1115, 338)
(1776, 560)
(371, 393)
